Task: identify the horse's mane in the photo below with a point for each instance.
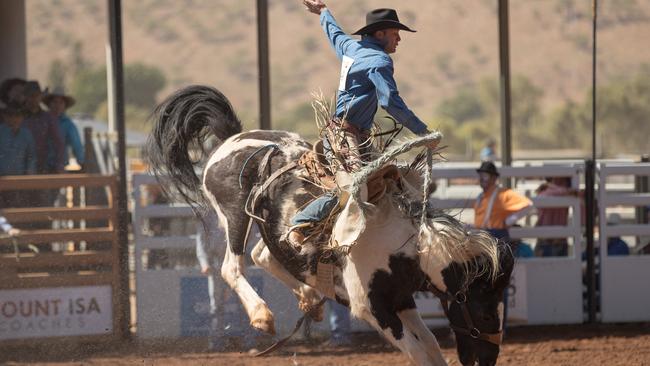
(450, 240)
(475, 250)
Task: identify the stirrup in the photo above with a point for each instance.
(296, 229)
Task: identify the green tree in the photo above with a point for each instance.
(56, 74)
(623, 111)
(89, 88)
(462, 107)
(476, 112)
(141, 83)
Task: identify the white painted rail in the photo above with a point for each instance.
(548, 289)
(624, 284)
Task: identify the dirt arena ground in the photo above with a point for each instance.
(558, 345)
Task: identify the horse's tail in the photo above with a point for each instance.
(183, 125)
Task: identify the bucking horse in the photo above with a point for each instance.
(380, 252)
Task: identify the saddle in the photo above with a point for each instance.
(316, 170)
(315, 167)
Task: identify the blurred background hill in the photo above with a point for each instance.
(447, 71)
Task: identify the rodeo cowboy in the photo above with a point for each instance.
(366, 81)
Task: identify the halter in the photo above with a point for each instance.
(461, 298)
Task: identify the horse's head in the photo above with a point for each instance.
(468, 270)
(476, 308)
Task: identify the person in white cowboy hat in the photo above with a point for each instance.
(57, 103)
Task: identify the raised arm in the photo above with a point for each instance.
(337, 37)
(390, 100)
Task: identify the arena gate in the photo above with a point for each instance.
(60, 280)
(542, 290)
(624, 285)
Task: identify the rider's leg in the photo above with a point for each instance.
(315, 211)
(351, 157)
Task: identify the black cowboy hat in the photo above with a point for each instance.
(33, 87)
(488, 167)
(7, 85)
(380, 19)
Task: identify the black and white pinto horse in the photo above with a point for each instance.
(390, 258)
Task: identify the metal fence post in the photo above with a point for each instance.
(590, 200)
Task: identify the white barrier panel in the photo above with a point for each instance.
(545, 290)
(162, 312)
(624, 284)
(173, 302)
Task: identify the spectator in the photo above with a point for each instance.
(339, 319)
(616, 245)
(521, 249)
(6, 227)
(45, 130)
(210, 249)
(57, 103)
(497, 208)
(553, 216)
(17, 153)
(488, 153)
(11, 92)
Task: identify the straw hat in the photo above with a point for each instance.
(59, 92)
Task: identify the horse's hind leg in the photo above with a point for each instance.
(233, 270)
(307, 296)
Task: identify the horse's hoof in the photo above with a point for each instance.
(316, 312)
(263, 320)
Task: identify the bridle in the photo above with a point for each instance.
(461, 299)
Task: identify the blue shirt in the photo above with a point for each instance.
(369, 81)
(4, 224)
(71, 140)
(17, 151)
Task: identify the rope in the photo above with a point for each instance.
(241, 172)
(360, 178)
(425, 193)
(284, 340)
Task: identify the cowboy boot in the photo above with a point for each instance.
(295, 238)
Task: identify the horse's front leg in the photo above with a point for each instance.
(414, 323)
(400, 334)
(308, 297)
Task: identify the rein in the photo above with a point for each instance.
(461, 299)
(284, 340)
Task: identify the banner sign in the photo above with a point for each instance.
(55, 312)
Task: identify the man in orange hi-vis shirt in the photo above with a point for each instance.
(497, 208)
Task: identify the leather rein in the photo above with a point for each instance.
(461, 299)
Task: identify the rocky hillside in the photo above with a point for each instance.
(214, 42)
